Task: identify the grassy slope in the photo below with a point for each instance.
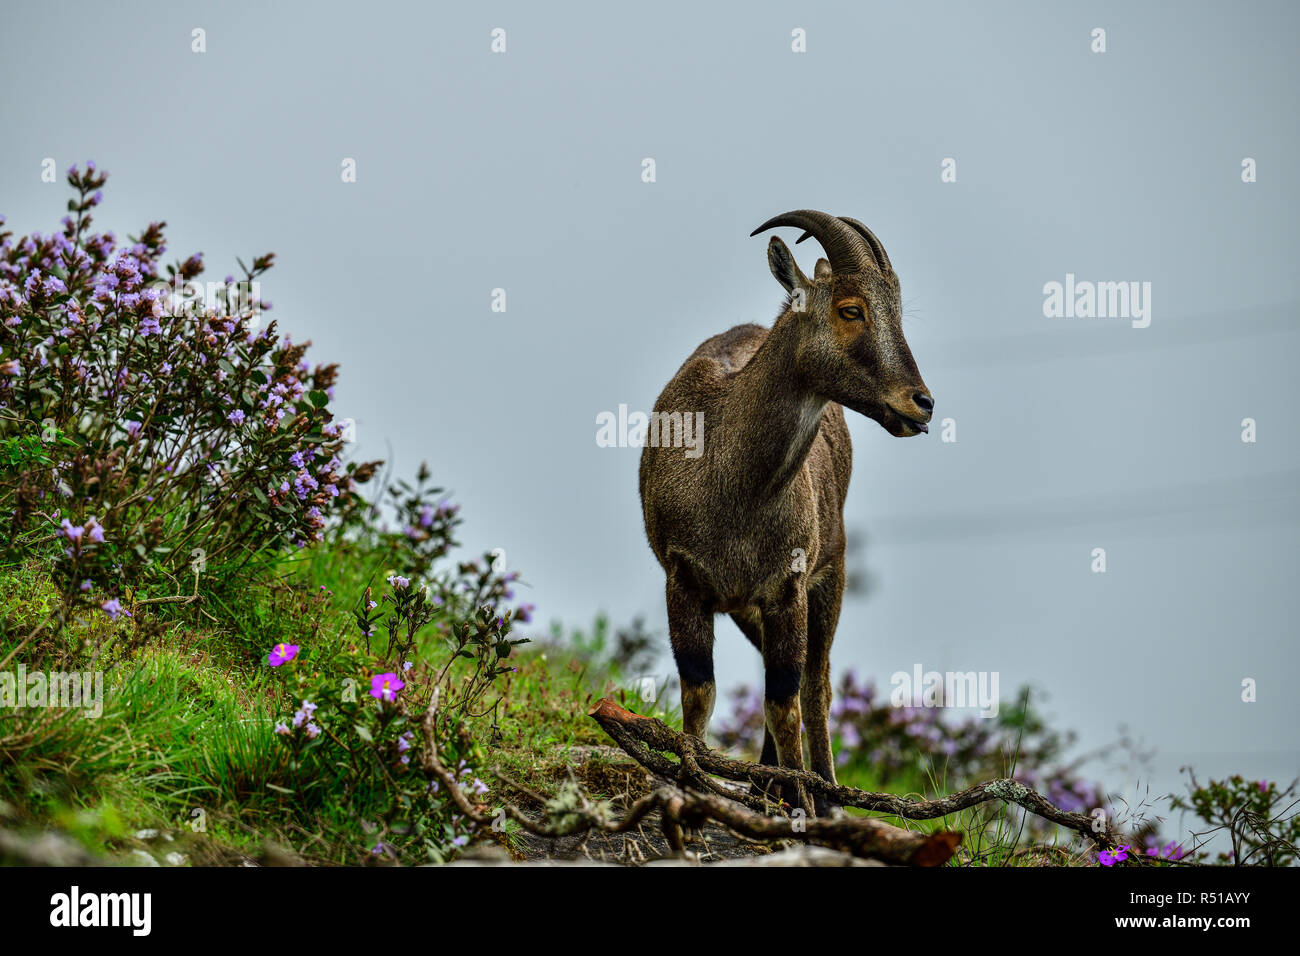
(190, 706)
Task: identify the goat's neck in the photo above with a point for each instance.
(769, 418)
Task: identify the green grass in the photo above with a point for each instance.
(189, 710)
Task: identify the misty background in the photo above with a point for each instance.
(522, 171)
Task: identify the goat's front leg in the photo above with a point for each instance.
(690, 631)
(785, 650)
(815, 695)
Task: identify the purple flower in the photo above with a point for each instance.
(303, 715)
(304, 484)
(281, 654)
(1111, 857)
(399, 582)
(113, 608)
(281, 727)
(237, 417)
(386, 686)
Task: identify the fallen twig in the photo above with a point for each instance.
(176, 598)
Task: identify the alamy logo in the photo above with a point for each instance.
(946, 689)
(1098, 300)
(188, 297)
(55, 689)
(658, 430)
(103, 909)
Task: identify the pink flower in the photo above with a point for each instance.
(386, 686)
(282, 654)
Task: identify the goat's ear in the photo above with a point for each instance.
(822, 270)
(783, 266)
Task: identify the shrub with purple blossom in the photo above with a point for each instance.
(360, 727)
(175, 420)
(1257, 816)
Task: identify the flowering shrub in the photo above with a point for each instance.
(359, 727)
(426, 523)
(144, 426)
(354, 727)
(1258, 816)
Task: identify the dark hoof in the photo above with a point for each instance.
(825, 809)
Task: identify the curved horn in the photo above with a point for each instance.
(877, 247)
(844, 248)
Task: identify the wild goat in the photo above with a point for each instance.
(754, 526)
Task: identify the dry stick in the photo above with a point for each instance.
(646, 739)
(681, 810)
(176, 598)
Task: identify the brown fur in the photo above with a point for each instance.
(729, 527)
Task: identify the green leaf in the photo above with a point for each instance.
(363, 733)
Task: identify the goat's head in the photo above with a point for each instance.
(851, 348)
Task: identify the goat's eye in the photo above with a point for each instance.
(851, 313)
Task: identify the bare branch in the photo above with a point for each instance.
(647, 739)
(681, 810)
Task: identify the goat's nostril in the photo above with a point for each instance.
(923, 401)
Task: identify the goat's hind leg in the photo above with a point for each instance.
(690, 631)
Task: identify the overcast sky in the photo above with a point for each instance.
(522, 171)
